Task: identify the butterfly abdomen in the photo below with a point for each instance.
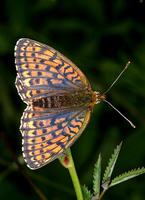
(76, 99)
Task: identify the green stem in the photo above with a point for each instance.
(67, 162)
(102, 194)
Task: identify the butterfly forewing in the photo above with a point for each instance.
(43, 72)
(42, 69)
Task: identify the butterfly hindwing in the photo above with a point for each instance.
(41, 69)
(46, 135)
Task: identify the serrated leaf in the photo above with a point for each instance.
(86, 193)
(127, 175)
(97, 177)
(110, 167)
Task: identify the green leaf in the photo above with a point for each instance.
(97, 177)
(110, 167)
(127, 175)
(86, 193)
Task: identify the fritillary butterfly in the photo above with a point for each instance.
(59, 101)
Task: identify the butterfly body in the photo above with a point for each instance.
(67, 101)
(59, 101)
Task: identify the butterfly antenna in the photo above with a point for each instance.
(120, 113)
(104, 99)
(125, 68)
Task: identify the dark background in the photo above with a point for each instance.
(99, 37)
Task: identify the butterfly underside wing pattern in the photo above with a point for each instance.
(59, 101)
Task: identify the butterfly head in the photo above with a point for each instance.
(99, 97)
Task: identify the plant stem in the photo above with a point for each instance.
(102, 194)
(67, 162)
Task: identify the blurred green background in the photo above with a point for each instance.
(99, 37)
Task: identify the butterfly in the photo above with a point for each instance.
(59, 101)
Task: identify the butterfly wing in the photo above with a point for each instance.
(46, 135)
(42, 70)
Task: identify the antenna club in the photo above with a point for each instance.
(127, 64)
